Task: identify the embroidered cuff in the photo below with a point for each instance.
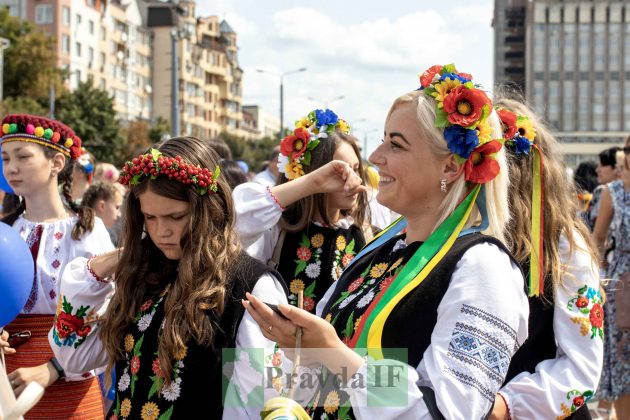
(97, 277)
(275, 199)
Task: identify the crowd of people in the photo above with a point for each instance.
(463, 241)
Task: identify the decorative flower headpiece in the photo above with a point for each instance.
(154, 164)
(462, 109)
(295, 149)
(518, 131)
(43, 131)
(85, 162)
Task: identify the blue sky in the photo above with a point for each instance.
(369, 51)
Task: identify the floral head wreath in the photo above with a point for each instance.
(518, 131)
(85, 163)
(43, 131)
(462, 109)
(295, 149)
(154, 164)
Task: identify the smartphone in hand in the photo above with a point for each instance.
(276, 309)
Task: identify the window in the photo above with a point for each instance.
(91, 27)
(65, 44)
(78, 18)
(65, 15)
(102, 59)
(78, 49)
(91, 56)
(43, 14)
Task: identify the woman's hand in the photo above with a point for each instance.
(44, 375)
(105, 265)
(4, 343)
(499, 410)
(335, 176)
(316, 333)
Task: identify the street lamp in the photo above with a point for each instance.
(4, 44)
(281, 76)
(338, 98)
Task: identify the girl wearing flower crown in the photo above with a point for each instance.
(177, 282)
(308, 225)
(448, 296)
(38, 154)
(557, 369)
(82, 176)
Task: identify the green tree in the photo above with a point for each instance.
(22, 105)
(90, 113)
(30, 62)
(254, 152)
(159, 130)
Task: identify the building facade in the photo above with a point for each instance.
(577, 70)
(509, 22)
(267, 125)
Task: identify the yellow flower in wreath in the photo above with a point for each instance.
(331, 404)
(150, 411)
(293, 170)
(442, 90)
(378, 270)
(296, 285)
(129, 343)
(125, 408)
(317, 240)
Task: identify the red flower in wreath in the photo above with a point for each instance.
(427, 77)
(464, 106)
(582, 302)
(135, 365)
(465, 75)
(309, 303)
(508, 123)
(304, 253)
(294, 145)
(578, 401)
(597, 316)
(67, 323)
(155, 367)
(355, 284)
(481, 166)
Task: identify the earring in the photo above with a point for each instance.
(443, 185)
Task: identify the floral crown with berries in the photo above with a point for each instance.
(295, 149)
(518, 131)
(154, 164)
(462, 109)
(43, 131)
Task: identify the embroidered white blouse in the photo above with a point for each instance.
(80, 288)
(55, 250)
(257, 217)
(560, 386)
(485, 293)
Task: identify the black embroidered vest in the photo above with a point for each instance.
(196, 388)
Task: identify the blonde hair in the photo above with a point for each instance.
(560, 207)
(496, 190)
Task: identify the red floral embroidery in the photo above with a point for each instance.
(345, 260)
(146, 305)
(56, 264)
(304, 253)
(355, 284)
(578, 401)
(67, 323)
(135, 365)
(309, 303)
(52, 294)
(597, 316)
(58, 235)
(155, 367)
(277, 359)
(113, 417)
(582, 302)
(386, 282)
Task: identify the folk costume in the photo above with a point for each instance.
(309, 260)
(454, 304)
(76, 396)
(196, 388)
(557, 369)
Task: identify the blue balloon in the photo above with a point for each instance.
(4, 184)
(16, 273)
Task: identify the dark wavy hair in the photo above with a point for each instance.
(197, 281)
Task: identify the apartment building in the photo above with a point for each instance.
(267, 124)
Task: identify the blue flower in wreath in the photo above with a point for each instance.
(453, 76)
(522, 145)
(326, 117)
(461, 141)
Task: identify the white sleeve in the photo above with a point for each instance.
(482, 320)
(74, 335)
(257, 216)
(246, 377)
(559, 386)
(95, 242)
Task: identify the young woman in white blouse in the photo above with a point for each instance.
(38, 154)
(450, 297)
(307, 229)
(557, 370)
